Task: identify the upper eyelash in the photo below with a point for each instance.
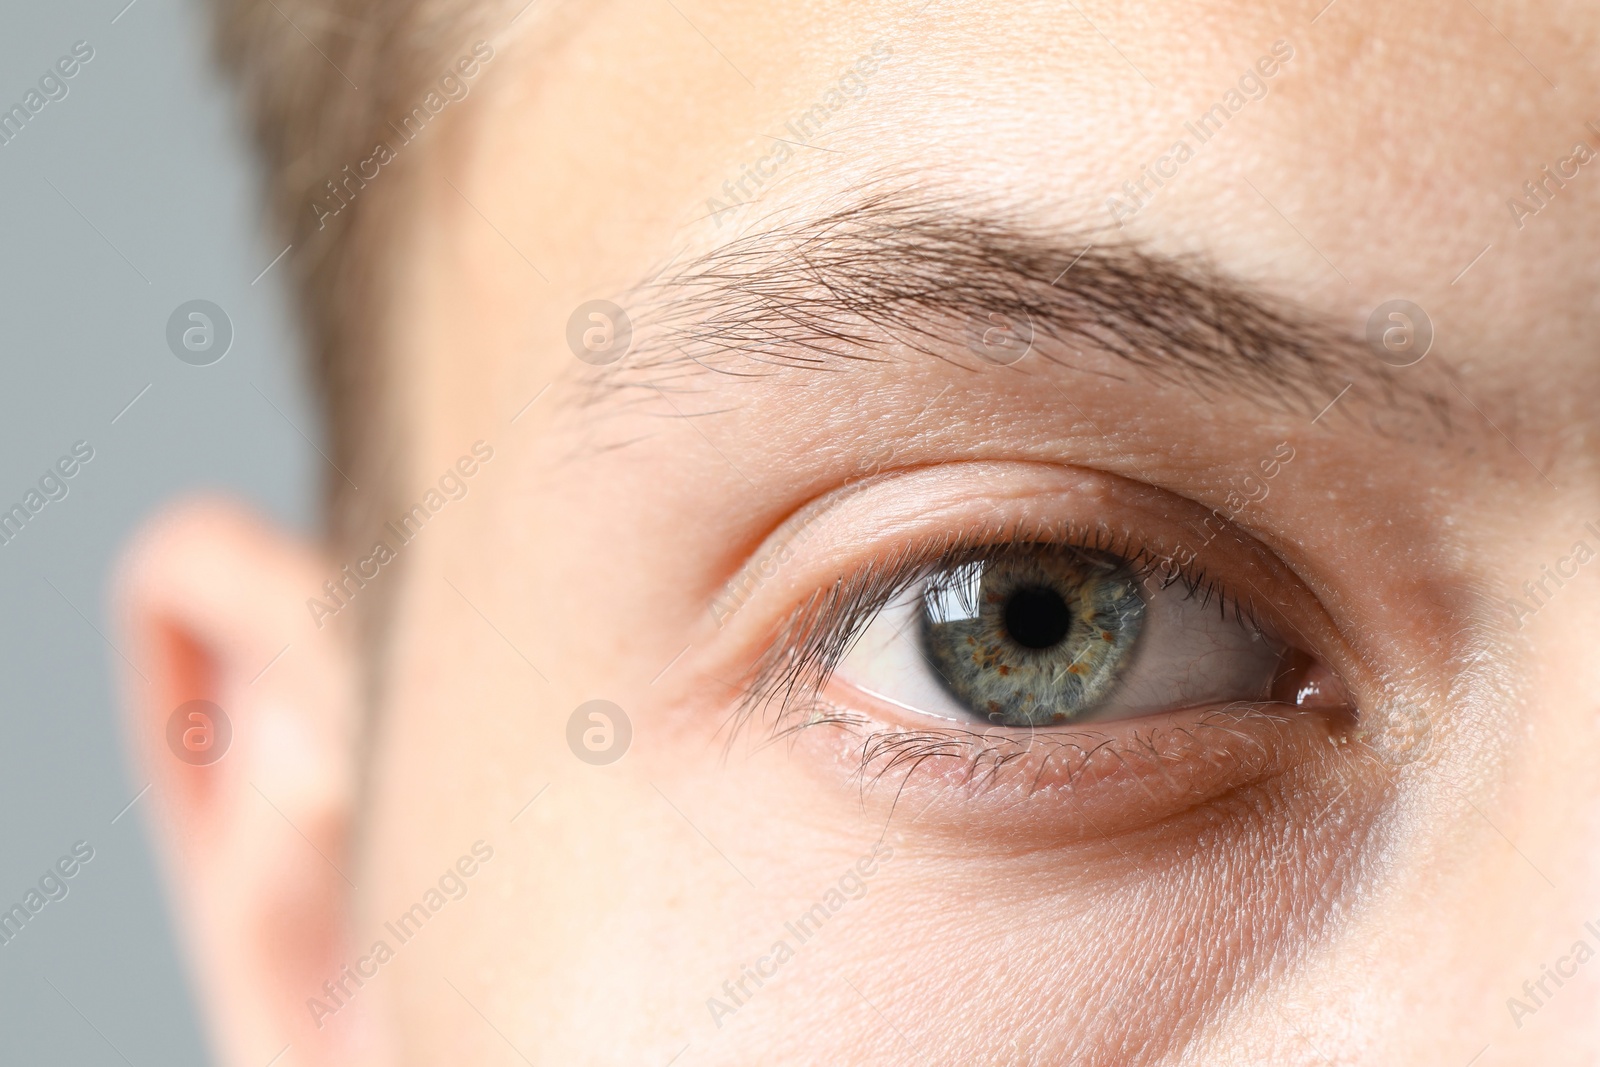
(786, 681)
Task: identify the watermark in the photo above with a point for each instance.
(1399, 332)
(1538, 193)
(354, 577)
(1245, 493)
(199, 733)
(1536, 992)
(453, 86)
(52, 887)
(761, 570)
(52, 87)
(1252, 85)
(340, 990)
(53, 486)
(599, 732)
(1399, 734)
(849, 86)
(758, 572)
(736, 992)
(1562, 571)
(199, 332)
(599, 332)
(1000, 339)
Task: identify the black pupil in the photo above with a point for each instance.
(1037, 617)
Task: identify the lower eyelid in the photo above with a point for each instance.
(1061, 785)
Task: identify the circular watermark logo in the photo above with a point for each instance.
(199, 733)
(199, 332)
(1398, 734)
(1399, 333)
(874, 461)
(1000, 339)
(599, 332)
(599, 732)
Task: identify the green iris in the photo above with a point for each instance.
(1035, 636)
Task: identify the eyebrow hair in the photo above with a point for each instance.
(917, 270)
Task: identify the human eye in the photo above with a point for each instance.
(1039, 635)
(1044, 642)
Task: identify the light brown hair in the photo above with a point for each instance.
(322, 82)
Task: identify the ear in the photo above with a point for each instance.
(254, 828)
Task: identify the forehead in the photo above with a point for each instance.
(1339, 156)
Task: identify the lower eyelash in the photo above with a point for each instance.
(981, 762)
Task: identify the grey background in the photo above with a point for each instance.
(153, 203)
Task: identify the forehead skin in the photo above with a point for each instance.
(1378, 165)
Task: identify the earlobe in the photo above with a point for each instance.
(242, 718)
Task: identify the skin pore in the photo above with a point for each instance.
(1372, 878)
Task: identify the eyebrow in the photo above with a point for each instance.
(921, 271)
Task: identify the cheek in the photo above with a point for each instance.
(1073, 952)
